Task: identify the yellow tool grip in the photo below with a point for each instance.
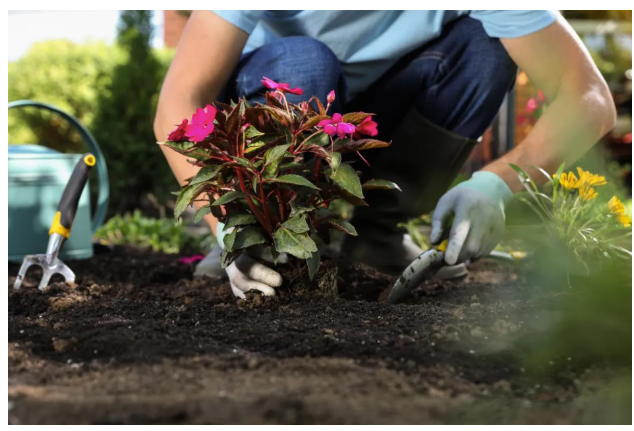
(57, 227)
(442, 246)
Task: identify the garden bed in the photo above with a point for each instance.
(136, 340)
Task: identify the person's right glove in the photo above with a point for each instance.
(246, 273)
(477, 206)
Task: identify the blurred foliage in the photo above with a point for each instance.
(64, 74)
(161, 235)
(113, 91)
(124, 119)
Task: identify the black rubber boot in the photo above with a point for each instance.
(423, 160)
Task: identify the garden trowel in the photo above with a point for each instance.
(423, 268)
(428, 264)
(60, 228)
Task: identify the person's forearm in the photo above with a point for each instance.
(575, 120)
(207, 53)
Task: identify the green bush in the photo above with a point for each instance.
(113, 91)
(64, 74)
(161, 235)
(124, 119)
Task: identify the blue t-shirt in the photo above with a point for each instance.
(368, 43)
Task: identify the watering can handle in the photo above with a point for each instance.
(102, 169)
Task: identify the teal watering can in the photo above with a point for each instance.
(37, 178)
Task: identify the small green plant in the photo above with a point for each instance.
(590, 228)
(160, 235)
(272, 171)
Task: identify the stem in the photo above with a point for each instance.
(280, 203)
(263, 221)
(267, 213)
(316, 171)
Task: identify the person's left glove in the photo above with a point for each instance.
(477, 206)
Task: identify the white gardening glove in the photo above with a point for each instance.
(246, 273)
(478, 209)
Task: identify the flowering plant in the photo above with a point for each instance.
(573, 214)
(272, 170)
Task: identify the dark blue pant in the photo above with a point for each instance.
(458, 81)
(455, 84)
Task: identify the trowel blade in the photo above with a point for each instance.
(422, 268)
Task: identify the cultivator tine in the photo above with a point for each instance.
(25, 266)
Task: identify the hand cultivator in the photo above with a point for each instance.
(60, 228)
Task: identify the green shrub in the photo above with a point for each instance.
(124, 119)
(113, 91)
(64, 74)
(157, 234)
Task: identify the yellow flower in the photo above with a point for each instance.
(569, 181)
(589, 179)
(587, 193)
(625, 220)
(616, 206)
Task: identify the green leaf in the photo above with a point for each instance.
(275, 255)
(380, 185)
(318, 138)
(288, 135)
(346, 177)
(350, 198)
(188, 194)
(227, 257)
(252, 132)
(239, 220)
(247, 237)
(299, 210)
(297, 224)
(242, 161)
(205, 174)
(254, 146)
(294, 179)
(188, 149)
(341, 225)
(290, 165)
(229, 239)
(202, 211)
(313, 264)
(299, 245)
(335, 161)
(228, 197)
(272, 159)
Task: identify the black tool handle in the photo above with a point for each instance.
(67, 208)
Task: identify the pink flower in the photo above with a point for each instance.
(178, 135)
(531, 105)
(336, 126)
(304, 107)
(331, 97)
(540, 96)
(191, 259)
(282, 86)
(366, 127)
(202, 124)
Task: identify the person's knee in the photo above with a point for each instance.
(300, 61)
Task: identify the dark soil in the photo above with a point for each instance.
(136, 340)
